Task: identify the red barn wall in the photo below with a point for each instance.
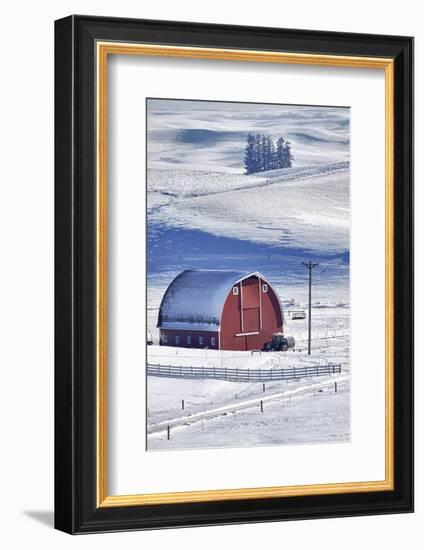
(250, 311)
(195, 334)
(231, 322)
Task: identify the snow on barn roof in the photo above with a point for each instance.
(195, 298)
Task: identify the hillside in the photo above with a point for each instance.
(306, 207)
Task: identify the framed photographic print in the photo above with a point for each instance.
(233, 274)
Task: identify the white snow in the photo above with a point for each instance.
(196, 180)
(307, 210)
(317, 415)
(246, 404)
(211, 135)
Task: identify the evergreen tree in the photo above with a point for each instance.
(283, 155)
(261, 153)
(288, 155)
(271, 154)
(250, 155)
(279, 153)
(258, 153)
(264, 154)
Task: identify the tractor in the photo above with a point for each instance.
(279, 342)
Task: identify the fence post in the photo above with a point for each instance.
(262, 406)
(182, 404)
(335, 387)
(248, 374)
(168, 432)
(263, 387)
(334, 368)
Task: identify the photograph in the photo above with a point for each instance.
(248, 274)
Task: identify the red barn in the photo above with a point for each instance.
(219, 310)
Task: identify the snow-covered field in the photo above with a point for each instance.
(207, 135)
(322, 414)
(270, 208)
(203, 212)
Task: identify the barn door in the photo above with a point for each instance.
(251, 305)
(251, 319)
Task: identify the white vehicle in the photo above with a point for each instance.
(298, 314)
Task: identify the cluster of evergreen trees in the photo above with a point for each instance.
(262, 153)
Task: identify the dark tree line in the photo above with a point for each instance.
(262, 153)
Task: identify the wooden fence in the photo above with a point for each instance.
(242, 375)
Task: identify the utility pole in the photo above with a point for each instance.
(309, 266)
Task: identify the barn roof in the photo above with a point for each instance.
(195, 298)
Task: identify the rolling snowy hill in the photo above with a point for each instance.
(210, 135)
(296, 208)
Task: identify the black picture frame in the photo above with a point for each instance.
(76, 509)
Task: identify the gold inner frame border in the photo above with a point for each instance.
(103, 50)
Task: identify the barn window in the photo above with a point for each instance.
(165, 338)
(177, 340)
(264, 287)
(189, 340)
(200, 340)
(213, 341)
(235, 290)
